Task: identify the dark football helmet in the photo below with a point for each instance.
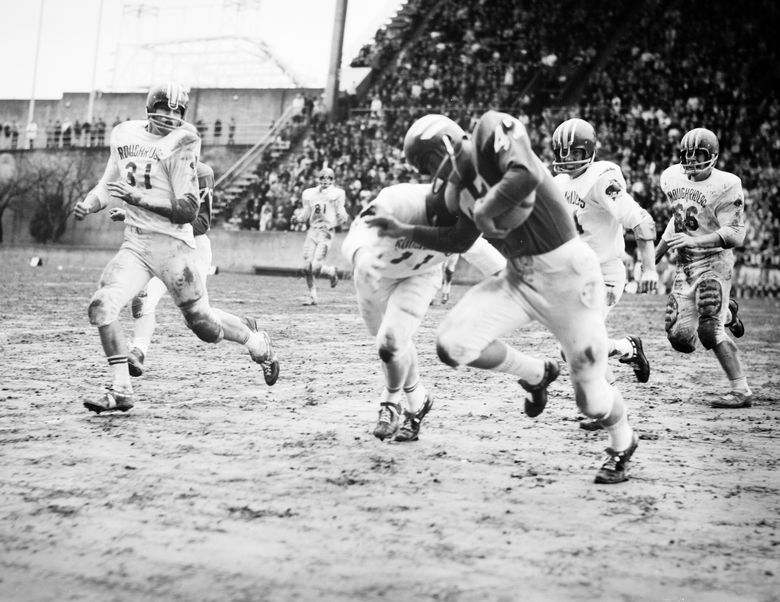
(170, 95)
(424, 146)
(571, 135)
(699, 151)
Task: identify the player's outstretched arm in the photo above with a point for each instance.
(179, 211)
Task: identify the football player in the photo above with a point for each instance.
(152, 168)
(602, 208)
(707, 223)
(396, 279)
(323, 210)
(496, 182)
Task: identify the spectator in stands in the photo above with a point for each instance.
(231, 131)
(298, 105)
(101, 132)
(66, 129)
(217, 130)
(31, 134)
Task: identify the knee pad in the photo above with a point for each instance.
(444, 355)
(710, 303)
(201, 320)
(670, 317)
(681, 341)
(100, 310)
(137, 305)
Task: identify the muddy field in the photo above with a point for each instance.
(218, 488)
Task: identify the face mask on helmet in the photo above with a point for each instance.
(699, 151)
(574, 146)
(166, 106)
(326, 177)
(423, 144)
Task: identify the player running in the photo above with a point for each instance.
(602, 209)
(496, 182)
(396, 279)
(707, 223)
(152, 168)
(323, 210)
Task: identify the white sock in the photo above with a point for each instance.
(256, 344)
(525, 367)
(120, 376)
(740, 385)
(620, 434)
(389, 396)
(415, 396)
(623, 348)
(142, 343)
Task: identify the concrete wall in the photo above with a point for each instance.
(241, 251)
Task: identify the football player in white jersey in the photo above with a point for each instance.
(396, 279)
(152, 168)
(602, 209)
(323, 210)
(447, 274)
(707, 223)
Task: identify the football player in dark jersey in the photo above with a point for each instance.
(494, 183)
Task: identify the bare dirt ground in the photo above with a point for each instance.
(215, 487)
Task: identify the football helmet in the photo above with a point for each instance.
(571, 135)
(699, 151)
(326, 177)
(425, 148)
(172, 96)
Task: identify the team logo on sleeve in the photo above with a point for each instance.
(614, 188)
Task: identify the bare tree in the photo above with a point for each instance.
(13, 185)
(57, 184)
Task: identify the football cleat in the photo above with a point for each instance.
(736, 327)
(615, 468)
(388, 421)
(535, 404)
(638, 360)
(135, 362)
(733, 400)
(267, 361)
(112, 401)
(410, 429)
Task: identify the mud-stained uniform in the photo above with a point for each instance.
(146, 301)
(412, 273)
(159, 166)
(324, 210)
(602, 209)
(698, 303)
(552, 276)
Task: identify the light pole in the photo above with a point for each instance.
(35, 65)
(91, 104)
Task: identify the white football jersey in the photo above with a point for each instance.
(402, 257)
(325, 209)
(602, 208)
(712, 205)
(159, 166)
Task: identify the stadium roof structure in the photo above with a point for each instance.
(221, 62)
(236, 57)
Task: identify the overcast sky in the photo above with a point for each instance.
(299, 32)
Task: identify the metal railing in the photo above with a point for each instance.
(256, 151)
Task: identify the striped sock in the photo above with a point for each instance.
(119, 372)
(415, 396)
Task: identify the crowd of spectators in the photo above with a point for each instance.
(650, 74)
